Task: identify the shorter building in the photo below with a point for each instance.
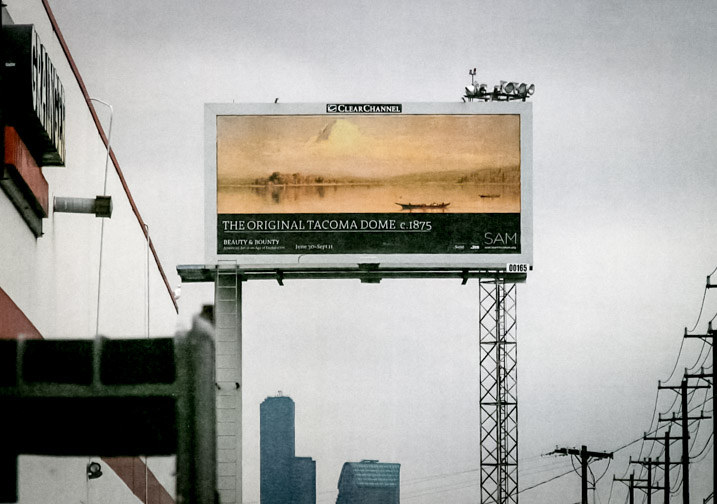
(369, 482)
(303, 480)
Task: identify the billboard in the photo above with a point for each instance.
(340, 184)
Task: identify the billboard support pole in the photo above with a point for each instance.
(498, 392)
(228, 329)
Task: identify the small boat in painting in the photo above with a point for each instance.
(423, 206)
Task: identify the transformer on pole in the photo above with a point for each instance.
(498, 393)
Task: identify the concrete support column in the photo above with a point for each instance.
(228, 322)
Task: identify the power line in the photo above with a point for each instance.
(546, 481)
(704, 296)
(697, 362)
(705, 449)
(439, 489)
(677, 361)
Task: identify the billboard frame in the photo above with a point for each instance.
(497, 262)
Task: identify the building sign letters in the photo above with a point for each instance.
(36, 102)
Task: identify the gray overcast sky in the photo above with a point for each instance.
(624, 216)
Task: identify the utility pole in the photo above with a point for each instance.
(683, 420)
(649, 487)
(630, 484)
(585, 457)
(709, 337)
(667, 439)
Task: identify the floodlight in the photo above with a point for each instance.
(94, 470)
(505, 91)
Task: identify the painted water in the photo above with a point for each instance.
(367, 198)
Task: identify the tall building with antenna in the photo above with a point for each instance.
(284, 478)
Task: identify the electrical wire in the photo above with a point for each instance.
(592, 474)
(548, 468)
(451, 486)
(677, 360)
(436, 476)
(609, 461)
(439, 489)
(609, 497)
(544, 482)
(705, 449)
(102, 225)
(653, 431)
(696, 364)
(703, 452)
(704, 296)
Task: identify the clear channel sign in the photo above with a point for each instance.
(340, 184)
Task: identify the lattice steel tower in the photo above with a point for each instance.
(498, 393)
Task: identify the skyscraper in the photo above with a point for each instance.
(284, 478)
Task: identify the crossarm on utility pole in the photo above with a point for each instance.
(585, 456)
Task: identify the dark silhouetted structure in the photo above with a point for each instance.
(115, 398)
(303, 481)
(284, 478)
(369, 482)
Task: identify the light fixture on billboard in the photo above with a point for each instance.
(524, 91)
(479, 91)
(505, 91)
(514, 90)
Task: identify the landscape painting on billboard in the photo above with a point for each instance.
(368, 164)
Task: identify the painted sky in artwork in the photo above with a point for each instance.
(376, 146)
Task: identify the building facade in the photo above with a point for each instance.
(284, 478)
(76, 260)
(303, 480)
(369, 482)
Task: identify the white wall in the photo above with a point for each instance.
(54, 279)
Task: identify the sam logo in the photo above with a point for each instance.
(364, 108)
